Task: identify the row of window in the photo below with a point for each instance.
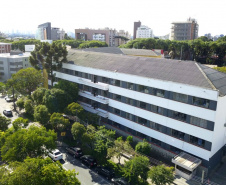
(144, 89)
(160, 110)
(152, 108)
(192, 139)
(166, 130)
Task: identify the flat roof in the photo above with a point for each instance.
(186, 161)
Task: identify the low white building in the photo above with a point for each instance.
(10, 64)
(144, 32)
(178, 106)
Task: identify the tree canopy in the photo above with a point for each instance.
(75, 109)
(143, 147)
(161, 175)
(41, 114)
(58, 122)
(31, 142)
(49, 57)
(4, 122)
(38, 171)
(27, 80)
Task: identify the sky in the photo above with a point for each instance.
(26, 15)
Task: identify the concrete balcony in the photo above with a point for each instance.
(89, 108)
(98, 85)
(98, 98)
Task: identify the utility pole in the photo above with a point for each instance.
(202, 180)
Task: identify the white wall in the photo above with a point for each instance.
(165, 121)
(219, 137)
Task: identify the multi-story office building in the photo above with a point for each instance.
(44, 31)
(176, 105)
(5, 47)
(135, 26)
(10, 64)
(144, 32)
(185, 30)
(57, 34)
(111, 36)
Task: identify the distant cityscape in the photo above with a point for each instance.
(187, 30)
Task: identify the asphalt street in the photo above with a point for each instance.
(7, 105)
(86, 176)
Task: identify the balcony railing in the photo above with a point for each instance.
(98, 98)
(98, 85)
(97, 111)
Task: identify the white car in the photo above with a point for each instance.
(55, 155)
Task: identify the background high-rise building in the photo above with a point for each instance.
(111, 36)
(136, 25)
(185, 30)
(144, 32)
(44, 31)
(57, 34)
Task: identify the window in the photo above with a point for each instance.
(105, 80)
(76, 73)
(198, 122)
(130, 86)
(156, 141)
(143, 105)
(180, 97)
(142, 88)
(118, 97)
(200, 102)
(178, 134)
(129, 116)
(117, 111)
(197, 141)
(179, 116)
(159, 92)
(129, 101)
(156, 109)
(142, 121)
(117, 83)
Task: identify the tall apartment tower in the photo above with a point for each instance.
(44, 31)
(144, 32)
(136, 25)
(184, 30)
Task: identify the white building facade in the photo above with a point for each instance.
(10, 64)
(144, 32)
(172, 104)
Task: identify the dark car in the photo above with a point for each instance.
(75, 151)
(105, 171)
(120, 181)
(89, 160)
(7, 113)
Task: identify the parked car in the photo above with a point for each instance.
(105, 171)
(55, 155)
(89, 160)
(75, 151)
(120, 181)
(7, 112)
(10, 98)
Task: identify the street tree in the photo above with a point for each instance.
(20, 103)
(143, 147)
(69, 87)
(49, 56)
(129, 139)
(88, 138)
(161, 175)
(77, 131)
(31, 142)
(4, 122)
(56, 100)
(135, 168)
(104, 140)
(2, 88)
(58, 122)
(37, 171)
(38, 95)
(29, 106)
(75, 109)
(20, 123)
(119, 148)
(41, 114)
(27, 80)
